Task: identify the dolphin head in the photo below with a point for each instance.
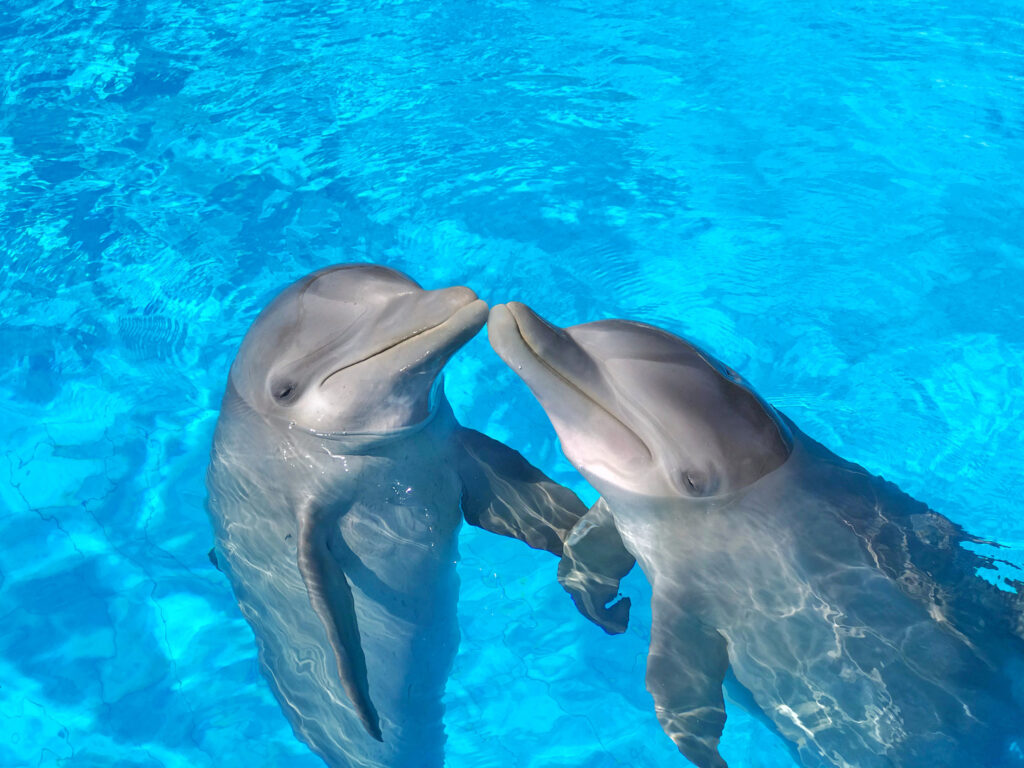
(640, 410)
(353, 348)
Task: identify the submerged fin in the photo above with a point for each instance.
(686, 668)
(593, 563)
(212, 555)
(503, 493)
(331, 598)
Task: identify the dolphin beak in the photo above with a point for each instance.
(518, 331)
(449, 337)
(468, 319)
(530, 341)
(567, 382)
(454, 316)
(543, 337)
(503, 333)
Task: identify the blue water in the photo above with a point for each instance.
(828, 196)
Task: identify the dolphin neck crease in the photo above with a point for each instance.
(368, 442)
(356, 442)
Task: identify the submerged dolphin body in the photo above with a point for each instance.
(337, 483)
(849, 612)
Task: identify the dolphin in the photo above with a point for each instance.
(337, 483)
(849, 615)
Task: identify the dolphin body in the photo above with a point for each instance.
(337, 483)
(848, 613)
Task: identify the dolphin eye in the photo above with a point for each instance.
(692, 483)
(284, 392)
(697, 484)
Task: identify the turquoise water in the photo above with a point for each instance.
(828, 197)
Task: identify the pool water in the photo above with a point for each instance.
(829, 197)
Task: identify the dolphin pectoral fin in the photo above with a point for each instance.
(593, 563)
(686, 667)
(503, 493)
(212, 556)
(331, 597)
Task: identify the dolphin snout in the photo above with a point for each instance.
(523, 338)
(456, 297)
(544, 338)
(410, 314)
(457, 306)
(569, 385)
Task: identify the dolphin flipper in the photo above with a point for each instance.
(686, 667)
(331, 597)
(593, 563)
(503, 493)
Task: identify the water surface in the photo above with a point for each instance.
(829, 198)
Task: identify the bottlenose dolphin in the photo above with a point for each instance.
(849, 613)
(337, 483)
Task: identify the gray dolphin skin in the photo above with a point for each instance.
(841, 610)
(337, 483)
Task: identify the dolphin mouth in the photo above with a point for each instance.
(456, 326)
(519, 312)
